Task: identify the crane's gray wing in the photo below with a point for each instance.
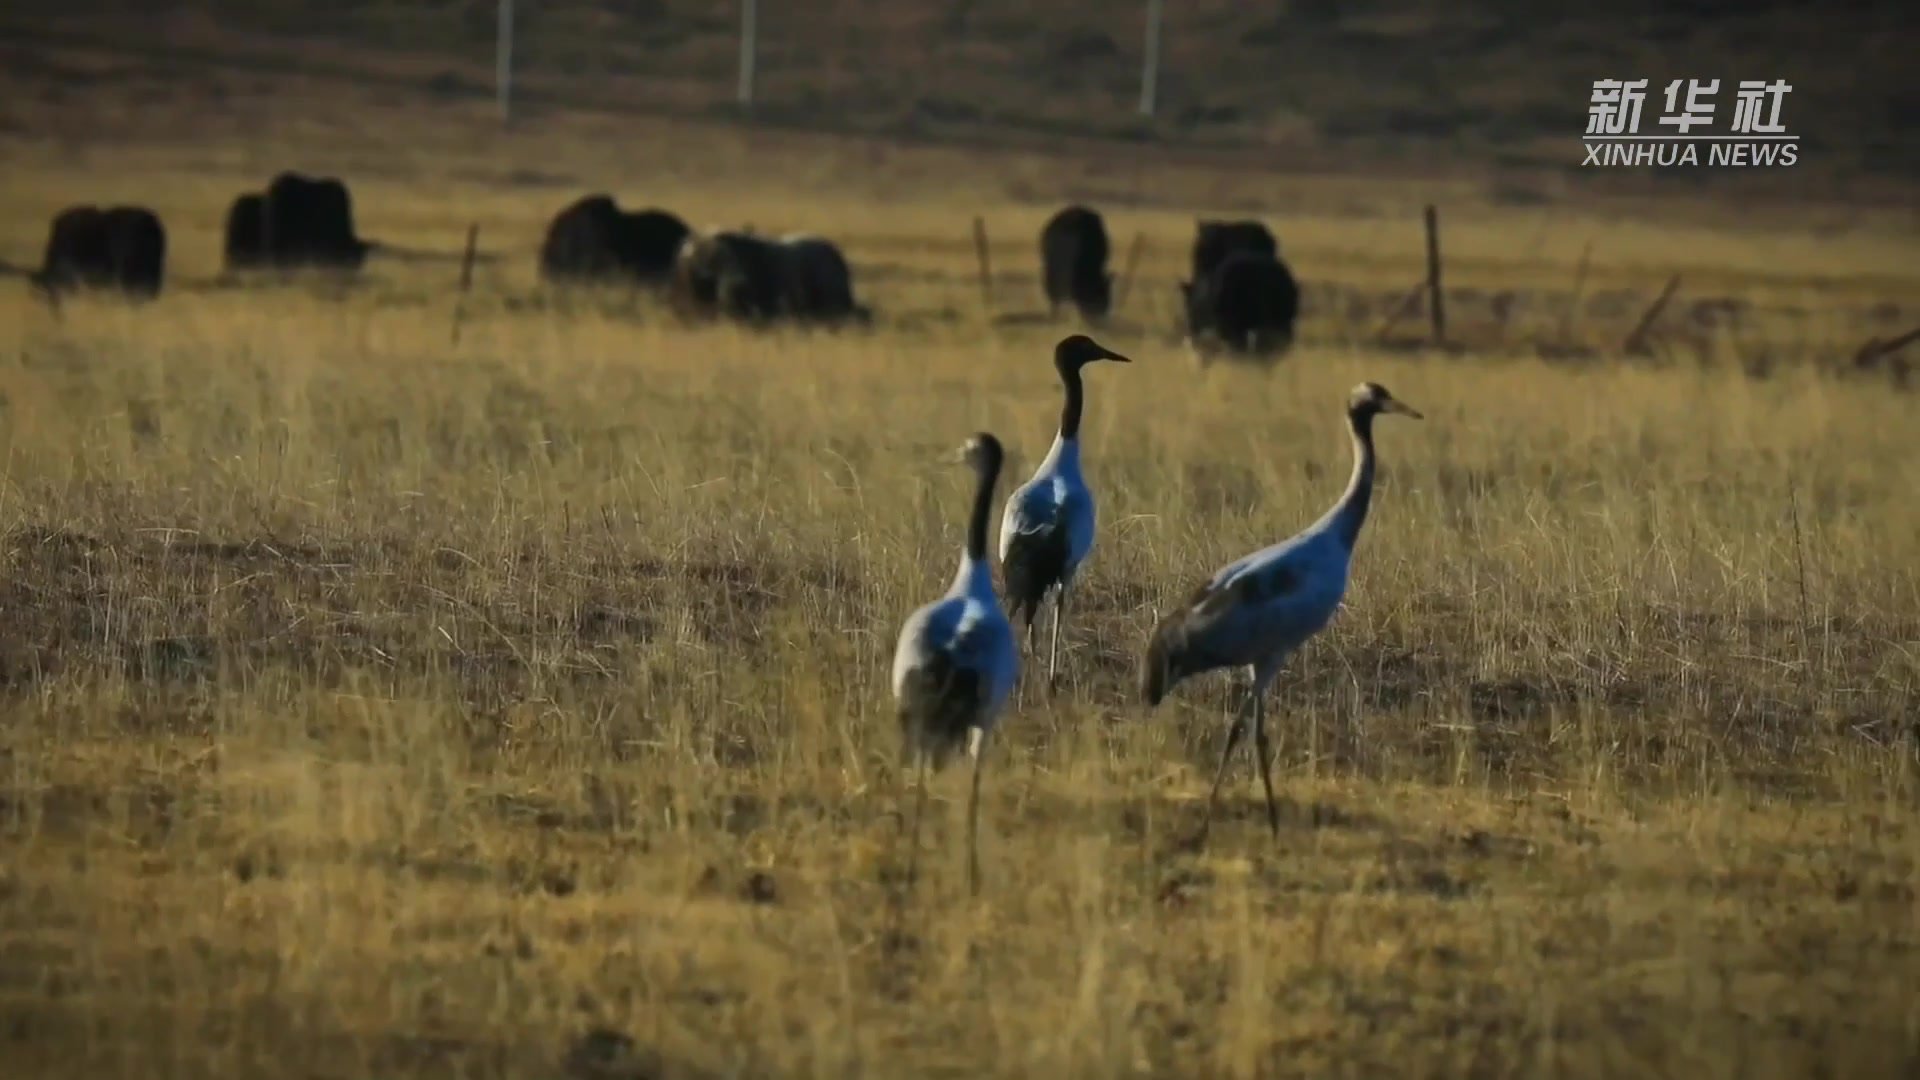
(1047, 533)
(1207, 630)
(1251, 587)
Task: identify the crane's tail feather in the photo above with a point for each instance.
(939, 702)
(1168, 658)
(1035, 562)
(1156, 673)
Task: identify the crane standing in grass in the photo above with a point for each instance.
(956, 662)
(1255, 612)
(1048, 527)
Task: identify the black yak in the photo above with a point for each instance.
(1213, 241)
(819, 281)
(123, 247)
(1248, 303)
(246, 243)
(1073, 259)
(308, 221)
(732, 274)
(740, 275)
(594, 240)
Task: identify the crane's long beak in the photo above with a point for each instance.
(1109, 354)
(1395, 405)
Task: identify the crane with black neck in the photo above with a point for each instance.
(956, 662)
(1256, 611)
(1047, 530)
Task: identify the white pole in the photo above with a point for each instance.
(503, 61)
(1150, 63)
(749, 27)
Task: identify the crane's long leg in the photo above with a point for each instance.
(1226, 754)
(919, 810)
(1261, 678)
(1053, 650)
(902, 779)
(1020, 688)
(976, 749)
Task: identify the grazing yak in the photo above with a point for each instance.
(1248, 303)
(740, 275)
(1240, 293)
(299, 221)
(731, 274)
(309, 222)
(1213, 241)
(1073, 260)
(594, 240)
(819, 280)
(245, 246)
(122, 247)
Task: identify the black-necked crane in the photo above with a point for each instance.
(956, 662)
(1256, 611)
(1047, 530)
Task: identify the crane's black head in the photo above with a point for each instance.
(983, 454)
(1370, 399)
(1079, 350)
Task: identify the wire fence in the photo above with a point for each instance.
(1080, 67)
(748, 33)
(1488, 80)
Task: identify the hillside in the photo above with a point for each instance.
(1309, 85)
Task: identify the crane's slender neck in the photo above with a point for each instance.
(973, 561)
(1063, 457)
(1076, 401)
(1351, 511)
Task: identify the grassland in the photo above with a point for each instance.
(376, 705)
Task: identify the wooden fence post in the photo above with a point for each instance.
(1436, 308)
(1636, 342)
(466, 278)
(986, 263)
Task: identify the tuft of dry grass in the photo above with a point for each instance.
(373, 705)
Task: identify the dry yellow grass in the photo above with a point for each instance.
(375, 706)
